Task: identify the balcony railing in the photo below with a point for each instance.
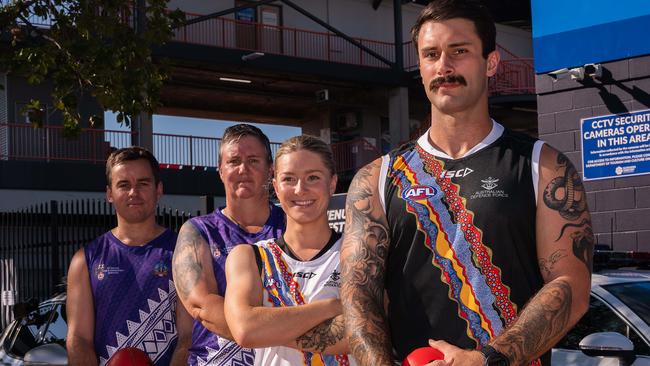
(249, 36)
(515, 76)
(48, 143)
(352, 155)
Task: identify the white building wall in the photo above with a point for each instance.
(515, 40)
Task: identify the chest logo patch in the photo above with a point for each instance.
(417, 192)
(161, 269)
(460, 173)
(489, 185)
(102, 270)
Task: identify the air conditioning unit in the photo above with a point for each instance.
(322, 95)
(347, 121)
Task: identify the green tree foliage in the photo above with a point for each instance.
(88, 47)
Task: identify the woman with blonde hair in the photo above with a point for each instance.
(284, 292)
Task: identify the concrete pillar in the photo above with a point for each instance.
(398, 114)
(142, 125)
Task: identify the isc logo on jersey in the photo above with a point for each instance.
(416, 193)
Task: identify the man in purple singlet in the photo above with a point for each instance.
(245, 167)
(120, 289)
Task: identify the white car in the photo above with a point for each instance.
(617, 324)
(38, 337)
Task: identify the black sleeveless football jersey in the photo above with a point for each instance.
(462, 261)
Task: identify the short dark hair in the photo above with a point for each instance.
(236, 132)
(473, 10)
(132, 153)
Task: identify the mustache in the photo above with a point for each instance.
(435, 83)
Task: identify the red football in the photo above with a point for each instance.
(130, 356)
(422, 356)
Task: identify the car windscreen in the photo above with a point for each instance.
(42, 326)
(635, 295)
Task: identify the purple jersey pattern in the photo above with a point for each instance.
(134, 296)
(222, 235)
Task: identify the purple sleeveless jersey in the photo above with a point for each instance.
(134, 296)
(222, 235)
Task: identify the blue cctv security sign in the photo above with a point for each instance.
(616, 145)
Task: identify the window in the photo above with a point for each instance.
(635, 295)
(600, 318)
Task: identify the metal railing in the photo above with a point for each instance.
(48, 143)
(287, 41)
(513, 77)
(352, 155)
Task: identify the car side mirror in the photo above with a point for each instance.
(47, 354)
(22, 309)
(609, 344)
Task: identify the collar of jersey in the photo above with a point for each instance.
(495, 133)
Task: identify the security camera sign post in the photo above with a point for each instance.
(616, 145)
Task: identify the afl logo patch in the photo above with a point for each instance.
(419, 192)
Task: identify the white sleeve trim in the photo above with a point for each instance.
(537, 150)
(382, 181)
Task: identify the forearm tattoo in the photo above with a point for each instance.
(542, 322)
(363, 260)
(324, 335)
(186, 262)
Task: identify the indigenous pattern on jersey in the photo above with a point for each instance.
(463, 257)
(291, 282)
(133, 295)
(222, 235)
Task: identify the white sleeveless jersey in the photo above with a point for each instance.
(290, 282)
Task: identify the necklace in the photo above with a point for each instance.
(223, 211)
(240, 225)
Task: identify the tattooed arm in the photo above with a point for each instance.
(328, 337)
(565, 249)
(195, 282)
(363, 261)
(256, 326)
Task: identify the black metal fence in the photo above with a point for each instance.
(37, 244)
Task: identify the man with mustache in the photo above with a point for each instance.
(475, 239)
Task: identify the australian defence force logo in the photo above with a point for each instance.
(419, 192)
(489, 189)
(102, 270)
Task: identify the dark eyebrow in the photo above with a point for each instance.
(425, 49)
(459, 44)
